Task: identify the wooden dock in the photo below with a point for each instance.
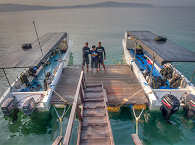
(94, 124)
(122, 86)
(90, 93)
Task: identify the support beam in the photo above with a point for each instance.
(73, 112)
(6, 77)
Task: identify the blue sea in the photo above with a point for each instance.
(106, 22)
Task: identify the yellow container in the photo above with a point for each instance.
(113, 109)
(139, 106)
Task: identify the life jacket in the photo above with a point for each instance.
(94, 53)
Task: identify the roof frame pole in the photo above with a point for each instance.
(37, 37)
(193, 74)
(38, 42)
(153, 60)
(135, 48)
(6, 77)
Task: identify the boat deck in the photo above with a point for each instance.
(121, 85)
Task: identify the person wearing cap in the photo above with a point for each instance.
(101, 55)
(86, 52)
(94, 58)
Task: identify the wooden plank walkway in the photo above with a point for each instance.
(120, 83)
(118, 80)
(95, 126)
(67, 85)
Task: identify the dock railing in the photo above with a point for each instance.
(75, 108)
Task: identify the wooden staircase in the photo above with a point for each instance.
(95, 126)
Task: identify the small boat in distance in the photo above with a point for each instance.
(150, 56)
(35, 85)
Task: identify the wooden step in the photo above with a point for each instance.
(93, 95)
(91, 133)
(93, 90)
(93, 99)
(97, 141)
(93, 105)
(94, 112)
(94, 119)
(90, 122)
(94, 85)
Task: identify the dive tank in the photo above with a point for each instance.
(8, 105)
(189, 106)
(29, 106)
(170, 105)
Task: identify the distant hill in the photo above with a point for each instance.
(22, 7)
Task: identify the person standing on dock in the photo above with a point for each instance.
(86, 52)
(101, 55)
(94, 58)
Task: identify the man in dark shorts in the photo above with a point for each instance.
(94, 58)
(101, 55)
(86, 52)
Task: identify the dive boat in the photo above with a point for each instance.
(42, 66)
(150, 57)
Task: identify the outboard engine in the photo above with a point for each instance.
(29, 106)
(170, 105)
(176, 81)
(8, 106)
(189, 106)
(167, 71)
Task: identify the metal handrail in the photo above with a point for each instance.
(73, 111)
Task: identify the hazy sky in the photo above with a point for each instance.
(174, 2)
(73, 2)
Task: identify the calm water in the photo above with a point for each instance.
(107, 25)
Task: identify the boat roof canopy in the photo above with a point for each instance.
(19, 58)
(163, 52)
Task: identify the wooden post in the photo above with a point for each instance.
(83, 82)
(79, 113)
(136, 139)
(81, 96)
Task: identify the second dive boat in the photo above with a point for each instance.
(150, 57)
(42, 69)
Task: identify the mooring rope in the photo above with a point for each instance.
(65, 101)
(126, 99)
(60, 118)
